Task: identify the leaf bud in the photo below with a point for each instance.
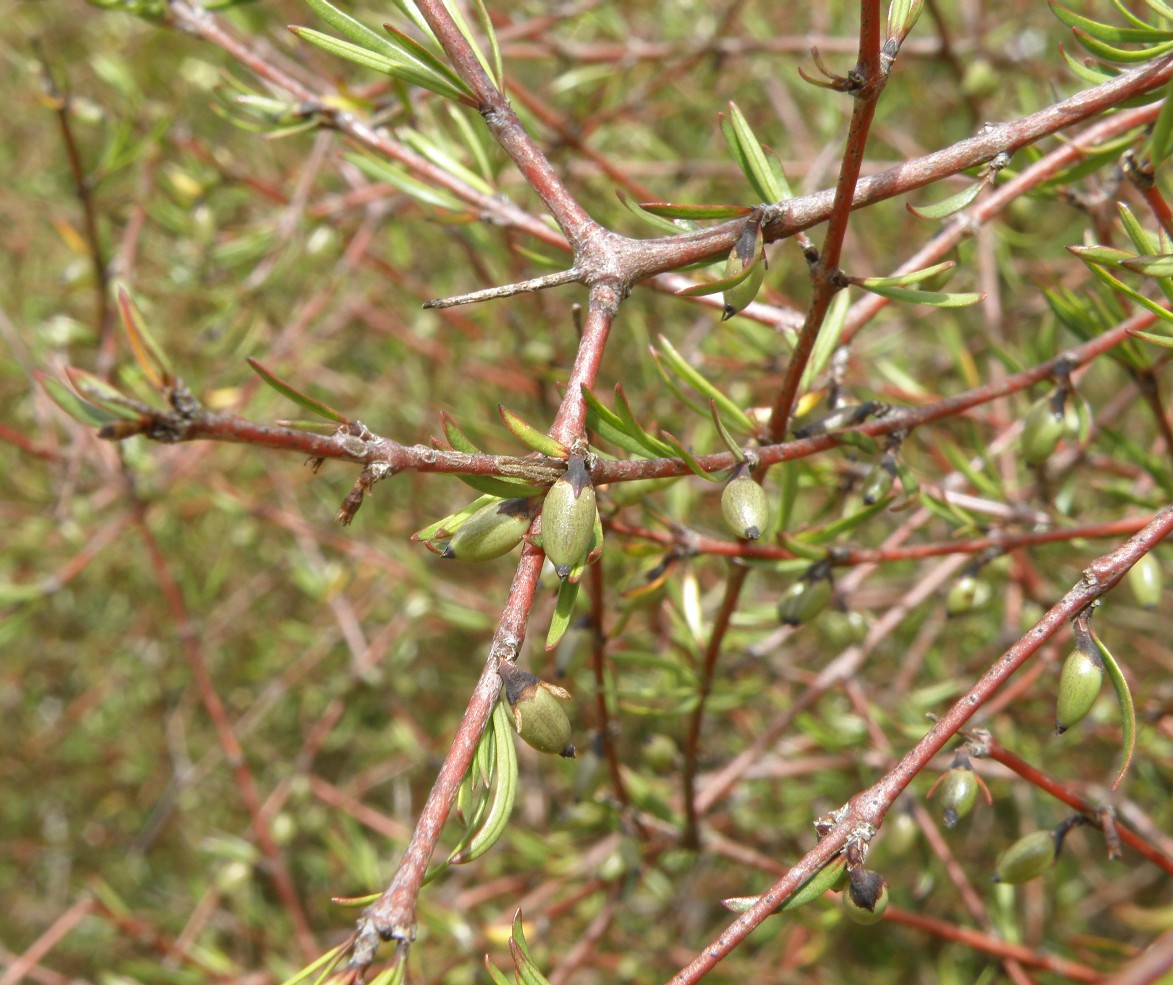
(538, 716)
(1043, 428)
(866, 896)
(748, 253)
(967, 593)
(804, 600)
(492, 531)
(1144, 581)
(568, 517)
(1027, 858)
(745, 506)
(1079, 685)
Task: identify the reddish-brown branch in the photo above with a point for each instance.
(865, 812)
(506, 128)
(993, 945)
(1001, 754)
(392, 915)
(22, 966)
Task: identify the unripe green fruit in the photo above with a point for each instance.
(1042, 430)
(959, 790)
(568, 517)
(538, 716)
(968, 592)
(492, 531)
(804, 600)
(748, 252)
(866, 896)
(1079, 685)
(1144, 580)
(745, 507)
(876, 484)
(1026, 859)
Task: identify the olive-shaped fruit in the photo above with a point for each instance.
(745, 507)
(1042, 430)
(1079, 685)
(492, 531)
(568, 517)
(959, 790)
(1027, 858)
(804, 600)
(538, 716)
(866, 896)
(1144, 581)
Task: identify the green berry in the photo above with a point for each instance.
(568, 517)
(745, 507)
(959, 790)
(866, 896)
(1027, 858)
(538, 716)
(1079, 685)
(1043, 429)
(804, 600)
(492, 531)
(1144, 580)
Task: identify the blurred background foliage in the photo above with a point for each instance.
(345, 656)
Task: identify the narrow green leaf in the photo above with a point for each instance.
(1108, 33)
(95, 390)
(476, 141)
(445, 161)
(823, 880)
(299, 398)
(948, 206)
(1127, 709)
(844, 525)
(716, 286)
(1141, 238)
(457, 16)
(747, 151)
(1162, 340)
(1125, 56)
(498, 72)
(607, 425)
(659, 223)
(903, 280)
(673, 210)
(775, 165)
(398, 66)
(936, 299)
(1152, 265)
(673, 383)
(790, 486)
(1163, 313)
(456, 437)
(653, 445)
(1092, 74)
(724, 434)
(499, 487)
(527, 434)
(1105, 255)
(397, 177)
(147, 352)
(680, 366)
(73, 405)
(563, 613)
(323, 963)
(1160, 8)
(827, 340)
(686, 456)
(495, 973)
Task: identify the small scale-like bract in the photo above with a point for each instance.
(568, 517)
(1027, 858)
(1144, 581)
(866, 896)
(538, 716)
(1079, 685)
(492, 531)
(745, 507)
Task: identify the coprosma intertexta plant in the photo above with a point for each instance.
(763, 533)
